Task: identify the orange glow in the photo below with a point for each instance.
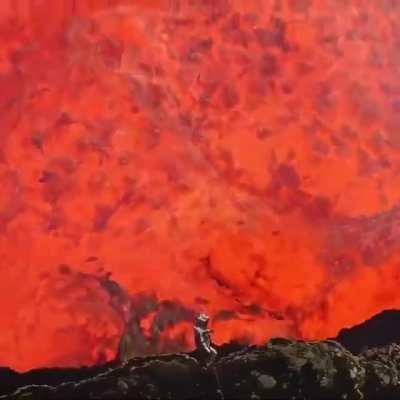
(162, 158)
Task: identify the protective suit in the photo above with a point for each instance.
(202, 339)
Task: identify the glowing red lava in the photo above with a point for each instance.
(161, 158)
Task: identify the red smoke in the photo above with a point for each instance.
(161, 158)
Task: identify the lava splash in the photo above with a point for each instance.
(162, 158)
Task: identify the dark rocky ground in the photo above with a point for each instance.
(281, 369)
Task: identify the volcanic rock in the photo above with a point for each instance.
(282, 368)
(381, 329)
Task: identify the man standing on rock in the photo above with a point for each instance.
(208, 354)
(202, 339)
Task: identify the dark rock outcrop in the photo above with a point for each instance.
(11, 380)
(378, 331)
(283, 368)
(364, 365)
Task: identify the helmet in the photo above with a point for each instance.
(203, 317)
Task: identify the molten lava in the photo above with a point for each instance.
(162, 158)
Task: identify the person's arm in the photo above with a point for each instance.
(203, 338)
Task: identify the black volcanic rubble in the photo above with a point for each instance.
(281, 369)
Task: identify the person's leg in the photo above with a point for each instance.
(212, 355)
(202, 357)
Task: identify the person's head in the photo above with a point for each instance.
(202, 319)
